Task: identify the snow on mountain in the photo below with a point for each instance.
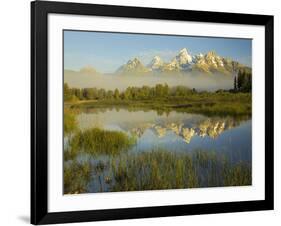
(213, 59)
(156, 63)
(171, 66)
(181, 62)
(209, 63)
(183, 57)
(197, 57)
(212, 63)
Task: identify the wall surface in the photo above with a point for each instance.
(15, 113)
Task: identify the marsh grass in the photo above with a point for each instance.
(76, 175)
(156, 170)
(222, 109)
(97, 141)
(161, 169)
(69, 120)
(240, 174)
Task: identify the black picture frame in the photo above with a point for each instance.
(39, 112)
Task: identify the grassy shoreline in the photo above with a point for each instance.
(226, 104)
(154, 170)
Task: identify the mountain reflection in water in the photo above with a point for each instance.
(184, 125)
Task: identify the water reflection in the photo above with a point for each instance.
(177, 130)
(163, 150)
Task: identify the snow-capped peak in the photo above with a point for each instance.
(184, 57)
(213, 59)
(156, 63)
(157, 58)
(183, 62)
(183, 51)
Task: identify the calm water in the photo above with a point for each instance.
(174, 132)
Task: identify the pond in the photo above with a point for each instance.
(170, 150)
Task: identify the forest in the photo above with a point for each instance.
(242, 83)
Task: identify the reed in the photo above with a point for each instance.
(98, 141)
(161, 169)
(76, 176)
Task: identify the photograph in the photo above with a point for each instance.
(155, 112)
(142, 112)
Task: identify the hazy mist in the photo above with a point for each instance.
(80, 79)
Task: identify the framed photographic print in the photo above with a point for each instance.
(145, 112)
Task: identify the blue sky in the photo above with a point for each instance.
(107, 51)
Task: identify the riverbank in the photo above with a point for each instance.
(223, 104)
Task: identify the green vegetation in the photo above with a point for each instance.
(153, 170)
(223, 104)
(240, 174)
(97, 141)
(68, 95)
(76, 177)
(162, 169)
(243, 81)
(165, 99)
(70, 123)
(159, 169)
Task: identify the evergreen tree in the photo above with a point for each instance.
(66, 92)
(116, 94)
(235, 83)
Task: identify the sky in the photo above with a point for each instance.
(106, 51)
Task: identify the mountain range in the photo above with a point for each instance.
(202, 71)
(183, 62)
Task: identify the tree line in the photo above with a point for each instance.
(130, 93)
(243, 81)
